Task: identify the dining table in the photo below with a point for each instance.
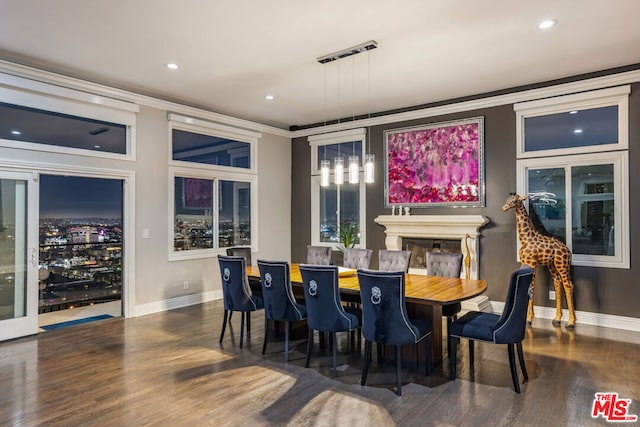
(425, 295)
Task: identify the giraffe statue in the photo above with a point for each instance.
(536, 248)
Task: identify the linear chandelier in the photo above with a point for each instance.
(353, 167)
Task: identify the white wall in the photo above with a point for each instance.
(158, 284)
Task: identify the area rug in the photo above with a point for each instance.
(75, 322)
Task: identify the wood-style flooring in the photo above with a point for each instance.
(168, 369)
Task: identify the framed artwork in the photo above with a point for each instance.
(439, 164)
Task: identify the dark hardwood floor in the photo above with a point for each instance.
(168, 369)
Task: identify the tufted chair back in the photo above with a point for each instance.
(356, 258)
(444, 264)
(243, 251)
(319, 255)
(393, 260)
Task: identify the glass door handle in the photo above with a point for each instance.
(34, 257)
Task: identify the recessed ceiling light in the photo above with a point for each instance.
(547, 23)
(269, 97)
(172, 66)
(573, 112)
(96, 146)
(16, 132)
(577, 131)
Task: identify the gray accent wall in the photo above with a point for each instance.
(596, 290)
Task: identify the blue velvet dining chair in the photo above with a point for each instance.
(508, 328)
(318, 255)
(356, 258)
(385, 320)
(279, 302)
(325, 312)
(237, 293)
(391, 260)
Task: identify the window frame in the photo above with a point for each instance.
(616, 96)
(203, 127)
(216, 177)
(567, 158)
(316, 141)
(55, 99)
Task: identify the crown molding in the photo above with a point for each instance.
(172, 107)
(123, 95)
(491, 101)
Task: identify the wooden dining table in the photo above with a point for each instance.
(425, 296)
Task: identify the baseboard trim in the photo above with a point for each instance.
(177, 302)
(583, 317)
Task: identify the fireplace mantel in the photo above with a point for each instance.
(465, 228)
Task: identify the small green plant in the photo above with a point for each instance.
(348, 235)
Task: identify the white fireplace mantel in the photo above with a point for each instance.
(465, 228)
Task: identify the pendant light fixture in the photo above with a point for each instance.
(338, 169)
(354, 169)
(369, 158)
(354, 160)
(325, 165)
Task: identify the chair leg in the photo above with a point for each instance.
(471, 353)
(309, 347)
(379, 348)
(266, 335)
(523, 368)
(365, 362)
(242, 314)
(248, 314)
(399, 370)
(335, 356)
(286, 341)
(453, 349)
(224, 323)
(512, 365)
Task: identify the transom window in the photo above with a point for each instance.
(42, 117)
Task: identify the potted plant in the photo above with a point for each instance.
(348, 236)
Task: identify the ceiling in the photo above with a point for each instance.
(233, 53)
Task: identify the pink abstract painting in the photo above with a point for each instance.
(439, 164)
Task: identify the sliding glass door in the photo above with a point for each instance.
(18, 255)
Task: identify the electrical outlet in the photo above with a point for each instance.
(186, 284)
(552, 295)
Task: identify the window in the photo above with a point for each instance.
(573, 162)
(213, 188)
(337, 208)
(196, 141)
(43, 117)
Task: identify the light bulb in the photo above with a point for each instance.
(338, 170)
(354, 169)
(368, 167)
(324, 173)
